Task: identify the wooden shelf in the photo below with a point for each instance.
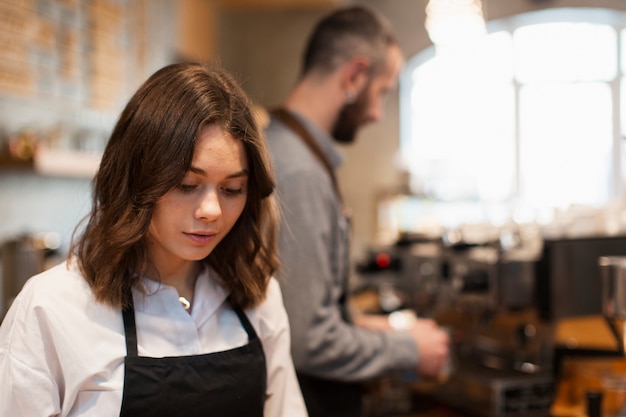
(66, 163)
(279, 4)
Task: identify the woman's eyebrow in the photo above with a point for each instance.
(200, 171)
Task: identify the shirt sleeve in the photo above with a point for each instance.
(284, 398)
(324, 343)
(26, 387)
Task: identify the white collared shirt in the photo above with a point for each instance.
(62, 353)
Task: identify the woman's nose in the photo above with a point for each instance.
(209, 208)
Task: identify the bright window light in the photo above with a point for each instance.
(527, 121)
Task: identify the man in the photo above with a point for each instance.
(351, 61)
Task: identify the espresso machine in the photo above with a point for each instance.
(501, 347)
(534, 324)
(484, 294)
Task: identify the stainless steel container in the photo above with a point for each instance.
(613, 280)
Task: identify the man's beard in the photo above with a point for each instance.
(351, 118)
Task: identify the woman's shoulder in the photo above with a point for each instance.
(273, 289)
(270, 313)
(57, 288)
(273, 296)
(60, 279)
(59, 297)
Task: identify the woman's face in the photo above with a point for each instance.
(191, 219)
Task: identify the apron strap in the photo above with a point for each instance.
(296, 126)
(245, 322)
(130, 329)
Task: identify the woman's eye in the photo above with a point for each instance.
(233, 191)
(187, 187)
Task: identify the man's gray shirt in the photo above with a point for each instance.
(314, 247)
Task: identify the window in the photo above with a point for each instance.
(530, 121)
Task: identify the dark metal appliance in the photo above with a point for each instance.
(22, 257)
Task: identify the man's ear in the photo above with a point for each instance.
(355, 75)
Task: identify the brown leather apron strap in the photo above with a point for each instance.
(294, 124)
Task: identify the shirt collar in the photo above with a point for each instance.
(209, 295)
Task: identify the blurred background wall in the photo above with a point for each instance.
(69, 66)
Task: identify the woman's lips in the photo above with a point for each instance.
(201, 238)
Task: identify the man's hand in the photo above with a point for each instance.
(433, 344)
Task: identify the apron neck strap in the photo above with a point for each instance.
(286, 117)
(245, 322)
(130, 329)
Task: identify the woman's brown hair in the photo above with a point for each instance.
(148, 153)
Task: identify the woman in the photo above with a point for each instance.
(165, 305)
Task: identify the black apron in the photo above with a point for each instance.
(228, 383)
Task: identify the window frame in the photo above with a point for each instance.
(611, 17)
